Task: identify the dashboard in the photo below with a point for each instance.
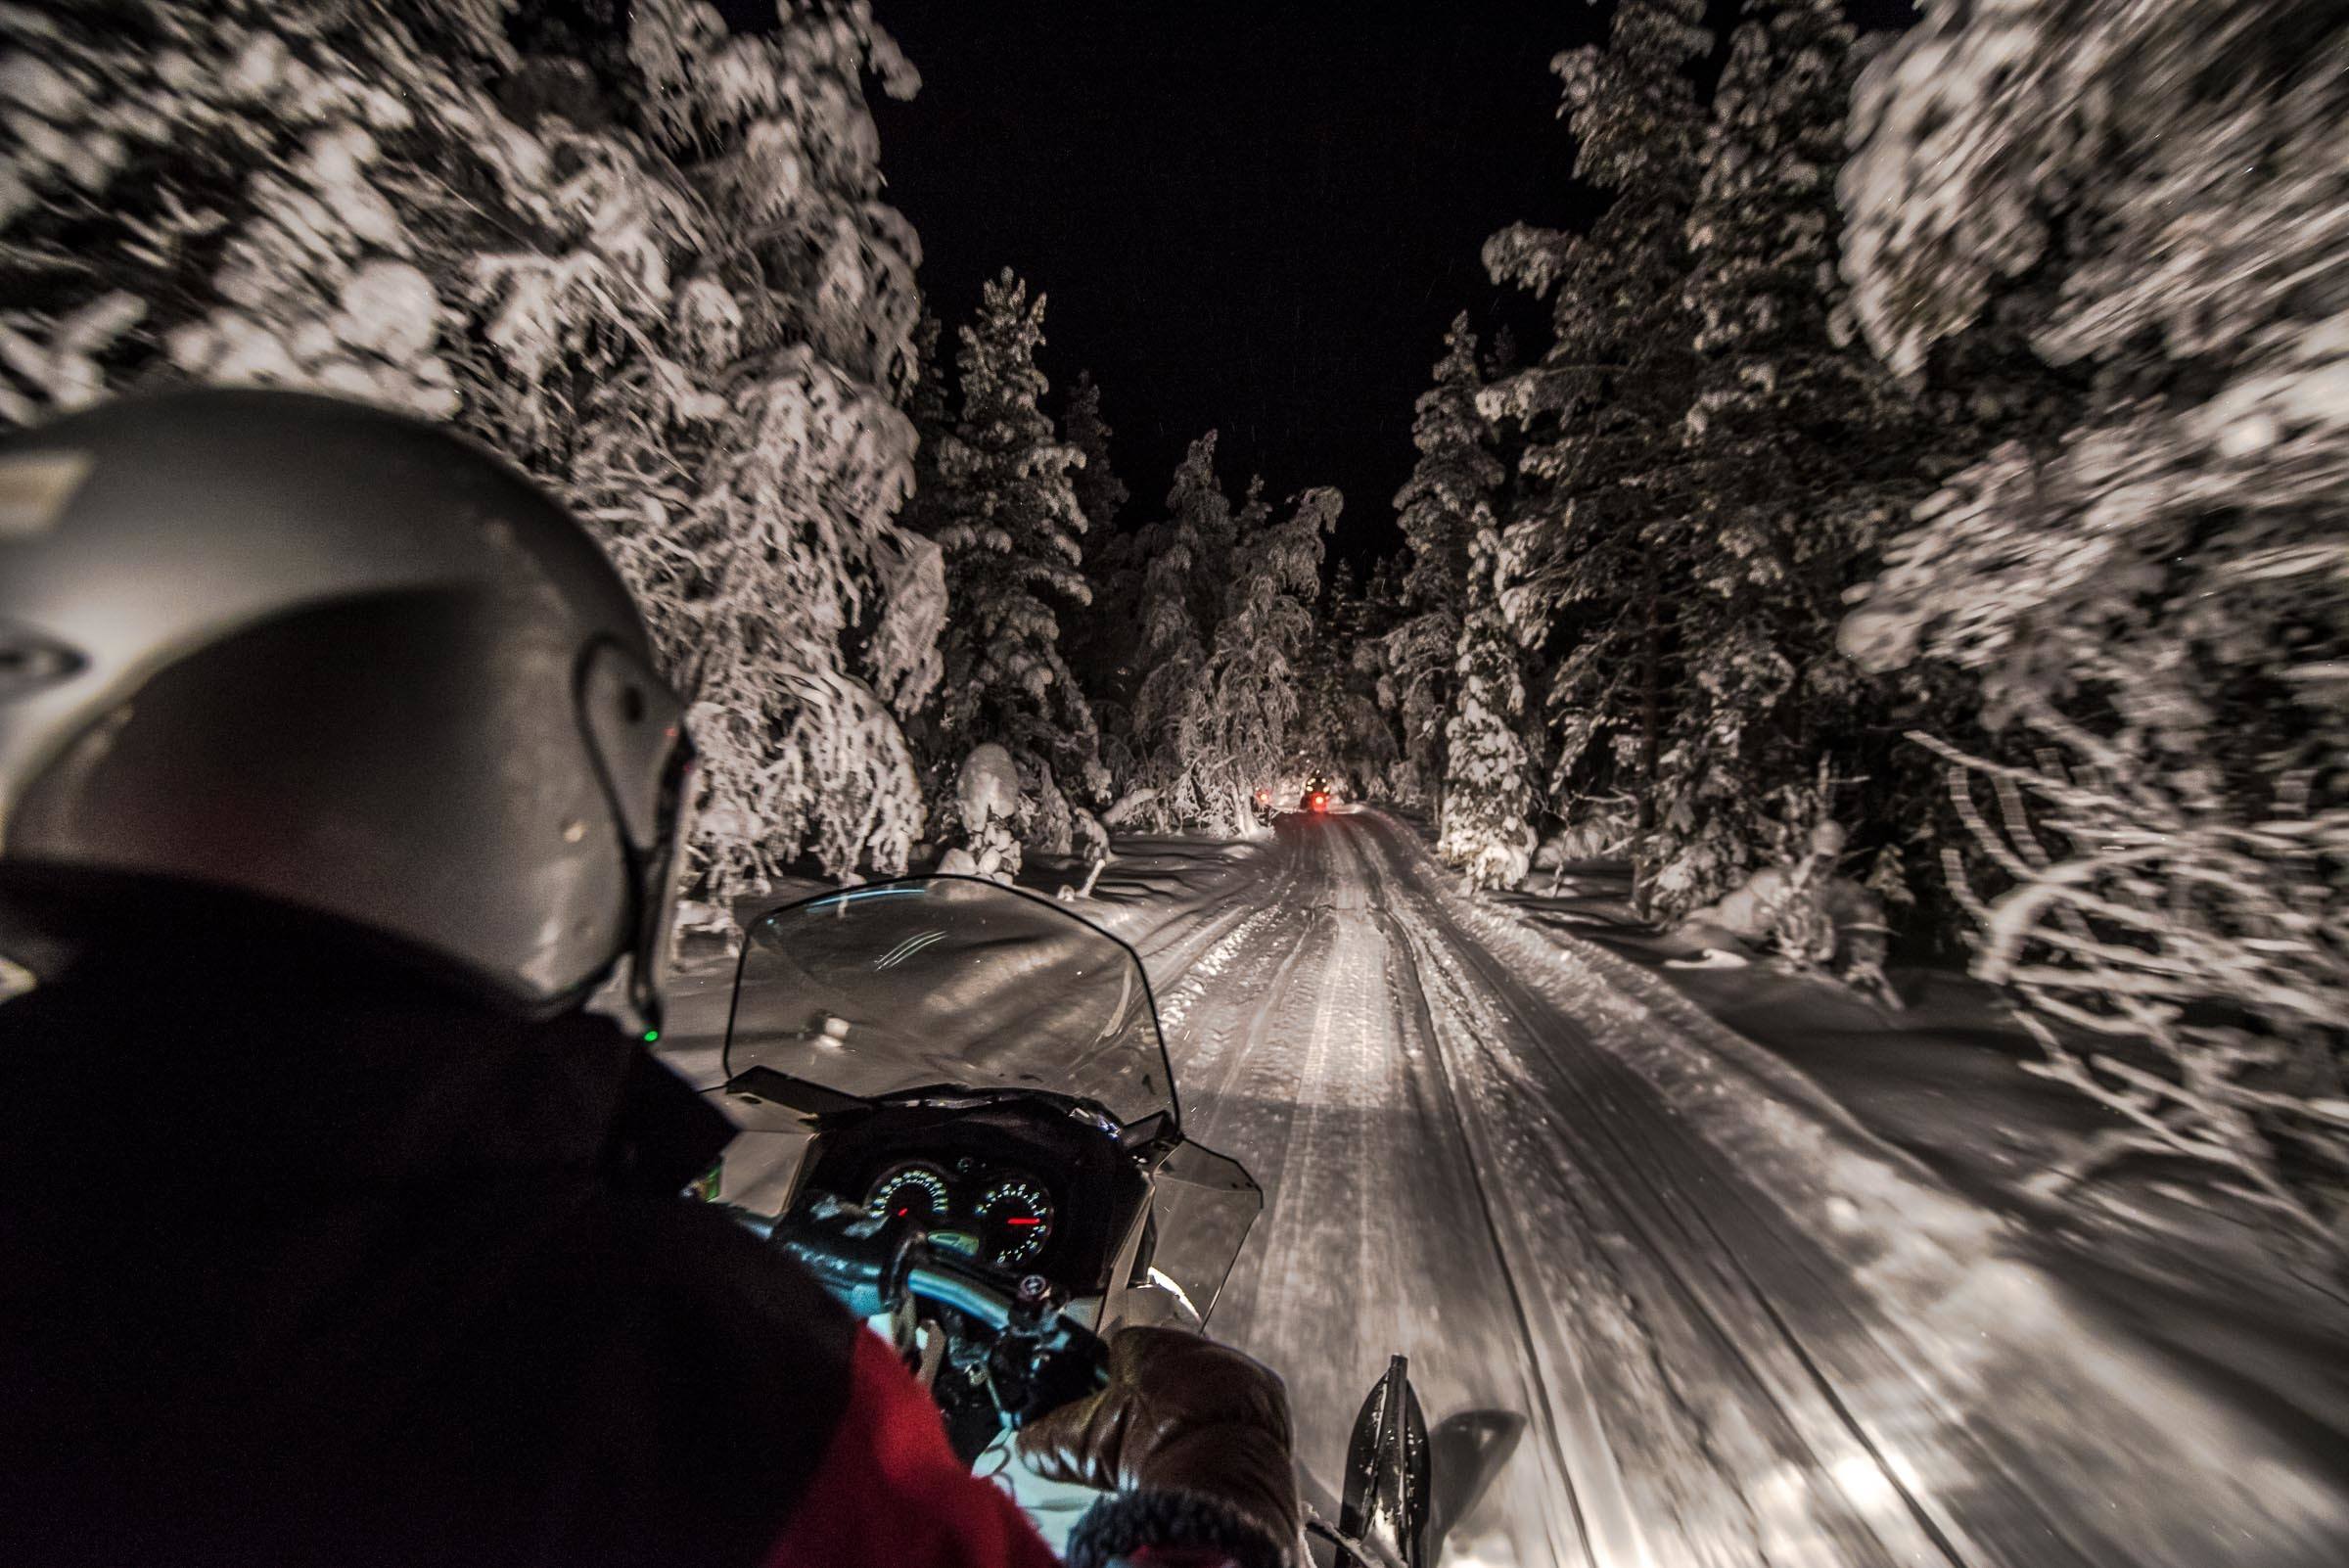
(1020, 1186)
(997, 1213)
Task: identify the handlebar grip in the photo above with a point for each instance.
(1037, 1359)
(866, 1273)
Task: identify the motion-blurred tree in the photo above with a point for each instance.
(2153, 198)
(658, 275)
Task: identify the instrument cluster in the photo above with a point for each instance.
(1018, 1185)
(996, 1213)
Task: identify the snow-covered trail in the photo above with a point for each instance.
(1721, 1324)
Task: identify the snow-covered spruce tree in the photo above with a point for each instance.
(1113, 667)
(1383, 609)
(1100, 637)
(1347, 731)
(2155, 195)
(1011, 529)
(1174, 781)
(1100, 494)
(1799, 454)
(933, 416)
(1369, 748)
(1447, 502)
(1212, 566)
(1595, 549)
(1245, 522)
(1382, 606)
(1255, 676)
(921, 517)
(1488, 792)
(1101, 640)
(601, 270)
(1322, 677)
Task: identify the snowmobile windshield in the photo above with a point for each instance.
(949, 982)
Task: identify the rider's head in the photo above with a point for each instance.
(309, 655)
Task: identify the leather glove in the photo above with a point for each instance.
(1182, 1413)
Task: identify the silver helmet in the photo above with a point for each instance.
(343, 661)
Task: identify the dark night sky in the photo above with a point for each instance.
(1248, 215)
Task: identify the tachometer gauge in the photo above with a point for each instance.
(913, 1191)
(1017, 1218)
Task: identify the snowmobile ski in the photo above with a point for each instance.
(1385, 1504)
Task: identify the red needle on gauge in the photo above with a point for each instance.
(1022, 1221)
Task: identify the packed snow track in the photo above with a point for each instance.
(1692, 1313)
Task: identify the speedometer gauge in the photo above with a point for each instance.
(1017, 1218)
(912, 1191)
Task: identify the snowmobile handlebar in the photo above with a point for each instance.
(1037, 1357)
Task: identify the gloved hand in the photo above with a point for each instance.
(1182, 1413)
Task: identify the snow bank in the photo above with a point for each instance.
(1593, 838)
(986, 796)
(1808, 914)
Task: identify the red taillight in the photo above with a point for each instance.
(1317, 803)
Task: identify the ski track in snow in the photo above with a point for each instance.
(1729, 1328)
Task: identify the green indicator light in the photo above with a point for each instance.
(651, 1035)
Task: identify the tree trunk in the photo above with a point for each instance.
(1651, 683)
